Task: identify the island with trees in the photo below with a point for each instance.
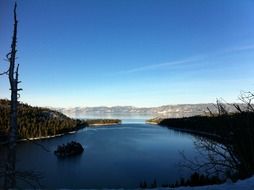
(70, 149)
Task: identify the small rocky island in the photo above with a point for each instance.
(70, 149)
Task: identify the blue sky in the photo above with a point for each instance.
(130, 52)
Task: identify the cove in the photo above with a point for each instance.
(115, 156)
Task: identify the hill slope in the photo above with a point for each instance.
(37, 122)
(167, 111)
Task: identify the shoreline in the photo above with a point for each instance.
(151, 122)
(190, 131)
(61, 134)
(48, 137)
(102, 124)
(193, 132)
(43, 137)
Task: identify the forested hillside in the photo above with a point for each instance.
(235, 132)
(36, 121)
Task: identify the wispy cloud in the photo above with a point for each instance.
(163, 65)
(239, 48)
(193, 59)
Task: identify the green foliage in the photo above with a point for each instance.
(103, 121)
(36, 121)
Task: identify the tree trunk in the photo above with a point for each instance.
(10, 167)
(10, 176)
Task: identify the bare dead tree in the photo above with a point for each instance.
(217, 159)
(232, 155)
(221, 107)
(247, 98)
(13, 73)
(210, 112)
(8, 169)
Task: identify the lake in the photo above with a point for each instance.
(124, 117)
(115, 156)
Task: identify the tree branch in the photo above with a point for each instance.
(5, 73)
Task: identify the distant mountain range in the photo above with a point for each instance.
(182, 110)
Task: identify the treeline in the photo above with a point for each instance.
(36, 121)
(234, 131)
(102, 121)
(195, 179)
(220, 125)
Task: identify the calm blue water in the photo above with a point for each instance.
(115, 156)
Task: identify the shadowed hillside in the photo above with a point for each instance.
(37, 122)
(234, 131)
